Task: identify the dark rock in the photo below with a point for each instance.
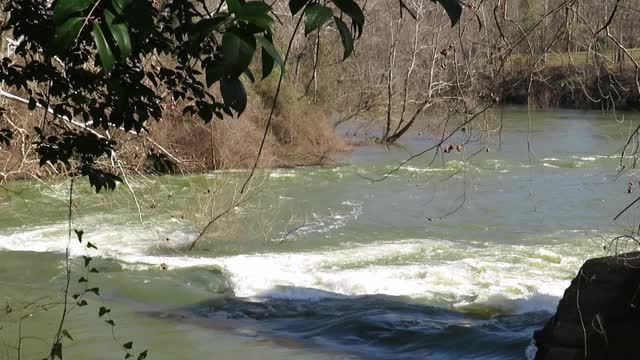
(599, 314)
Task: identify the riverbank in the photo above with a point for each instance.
(300, 134)
(586, 87)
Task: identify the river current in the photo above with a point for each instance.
(461, 257)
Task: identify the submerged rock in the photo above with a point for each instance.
(599, 314)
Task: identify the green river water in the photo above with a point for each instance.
(449, 260)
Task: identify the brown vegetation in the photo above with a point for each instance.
(300, 135)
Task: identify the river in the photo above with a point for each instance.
(452, 259)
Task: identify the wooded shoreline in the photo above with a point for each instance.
(577, 87)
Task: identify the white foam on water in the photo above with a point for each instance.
(113, 241)
(508, 277)
(550, 166)
(584, 158)
(425, 170)
(283, 174)
(514, 279)
(415, 169)
(531, 351)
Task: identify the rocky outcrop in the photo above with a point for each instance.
(599, 314)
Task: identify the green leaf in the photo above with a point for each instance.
(143, 355)
(270, 55)
(91, 246)
(79, 234)
(249, 75)
(103, 310)
(83, 280)
(94, 290)
(238, 50)
(257, 13)
(82, 303)
(352, 9)
(32, 104)
(65, 8)
(234, 94)
(87, 260)
(254, 8)
(121, 5)
(66, 334)
(104, 51)
(345, 35)
(453, 9)
(205, 27)
(205, 113)
(111, 322)
(296, 5)
(140, 15)
(316, 15)
(213, 73)
(266, 43)
(120, 33)
(267, 63)
(128, 345)
(234, 6)
(66, 34)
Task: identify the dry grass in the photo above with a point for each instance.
(300, 135)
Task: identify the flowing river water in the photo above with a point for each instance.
(446, 260)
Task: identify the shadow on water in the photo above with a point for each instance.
(372, 326)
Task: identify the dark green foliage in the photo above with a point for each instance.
(316, 15)
(94, 290)
(161, 163)
(103, 310)
(453, 9)
(104, 313)
(66, 334)
(85, 147)
(79, 234)
(233, 93)
(296, 5)
(100, 180)
(270, 56)
(345, 36)
(351, 9)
